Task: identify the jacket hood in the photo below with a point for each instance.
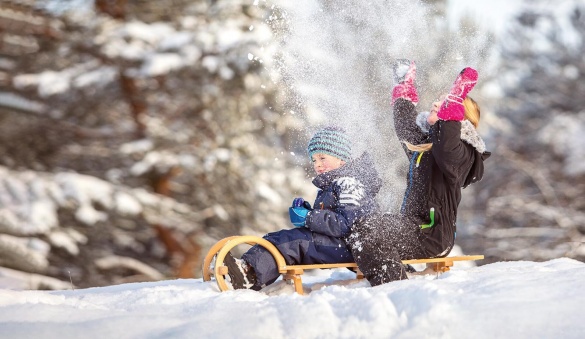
(476, 171)
(469, 135)
(361, 168)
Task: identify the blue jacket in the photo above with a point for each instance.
(345, 195)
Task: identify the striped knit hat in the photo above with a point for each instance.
(332, 141)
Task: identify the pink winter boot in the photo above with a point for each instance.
(404, 75)
(452, 108)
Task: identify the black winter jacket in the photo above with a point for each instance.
(345, 195)
(436, 177)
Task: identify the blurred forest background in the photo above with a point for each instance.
(135, 133)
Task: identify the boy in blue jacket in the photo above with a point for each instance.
(347, 189)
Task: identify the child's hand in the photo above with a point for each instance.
(298, 215)
(300, 202)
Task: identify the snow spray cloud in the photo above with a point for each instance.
(335, 59)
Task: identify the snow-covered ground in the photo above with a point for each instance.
(500, 300)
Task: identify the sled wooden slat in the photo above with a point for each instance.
(293, 273)
(444, 259)
(318, 266)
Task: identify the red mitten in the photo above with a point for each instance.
(452, 108)
(405, 88)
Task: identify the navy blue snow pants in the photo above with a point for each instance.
(298, 246)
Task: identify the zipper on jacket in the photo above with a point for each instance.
(410, 179)
(418, 158)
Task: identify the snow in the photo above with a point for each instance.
(493, 15)
(566, 144)
(30, 201)
(126, 204)
(18, 102)
(517, 299)
(33, 250)
(56, 82)
(138, 146)
(505, 299)
(98, 77)
(64, 240)
(162, 63)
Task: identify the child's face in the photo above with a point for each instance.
(323, 163)
(432, 118)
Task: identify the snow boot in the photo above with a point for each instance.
(452, 108)
(241, 274)
(404, 75)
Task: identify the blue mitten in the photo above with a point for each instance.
(298, 212)
(300, 202)
(298, 215)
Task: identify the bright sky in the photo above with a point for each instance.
(491, 14)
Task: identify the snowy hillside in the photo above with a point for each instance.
(500, 300)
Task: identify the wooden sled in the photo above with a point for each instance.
(293, 273)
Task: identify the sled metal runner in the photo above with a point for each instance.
(293, 273)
